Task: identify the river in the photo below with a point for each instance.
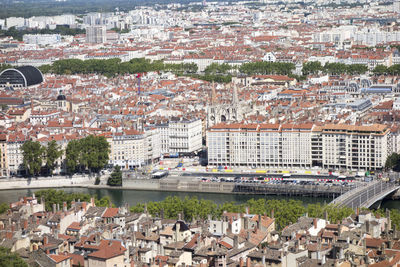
(132, 197)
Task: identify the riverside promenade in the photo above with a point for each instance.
(47, 182)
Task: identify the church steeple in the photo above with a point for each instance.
(235, 97)
(213, 94)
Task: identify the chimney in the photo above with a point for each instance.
(247, 210)
(323, 260)
(248, 235)
(259, 222)
(198, 240)
(272, 214)
(364, 245)
(84, 206)
(162, 214)
(341, 254)
(248, 262)
(58, 206)
(241, 262)
(42, 202)
(367, 226)
(358, 211)
(246, 223)
(315, 223)
(263, 260)
(54, 208)
(179, 216)
(65, 206)
(389, 221)
(214, 245)
(45, 240)
(92, 202)
(235, 241)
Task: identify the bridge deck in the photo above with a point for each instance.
(365, 196)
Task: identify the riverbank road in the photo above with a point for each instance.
(49, 182)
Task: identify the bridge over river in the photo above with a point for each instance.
(366, 195)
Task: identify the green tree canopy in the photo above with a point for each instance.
(380, 70)
(33, 153)
(89, 153)
(10, 259)
(285, 212)
(53, 152)
(52, 196)
(393, 162)
(115, 178)
(4, 207)
(312, 67)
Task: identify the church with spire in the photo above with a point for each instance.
(224, 112)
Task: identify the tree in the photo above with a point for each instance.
(312, 67)
(4, 207)
(72, 156)
(380, 70)
(89, 153)
(10, 259)
(115, 178)
(95, 150)
(393, 162)
(52, 196)
(33, 153)
(53, 152)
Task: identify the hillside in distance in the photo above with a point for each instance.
(29, 8)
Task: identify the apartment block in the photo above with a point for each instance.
(180, 136)
(260, 145)
(132, 148)
(96, 34)
(299, 145)
(352, 146)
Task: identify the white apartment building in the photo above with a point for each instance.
(303, 145)
(41, 39)
(14, 154)
(354, 147)
(230, 222)
(132, 148)
(15, 22)
(180, 136)
(96, 34)
(260, 145)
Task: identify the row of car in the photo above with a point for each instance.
(255, 180)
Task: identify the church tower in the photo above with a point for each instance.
(219, 113)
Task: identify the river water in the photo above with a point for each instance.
(120, 197)
(132, 197)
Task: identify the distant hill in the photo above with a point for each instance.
(29, 8)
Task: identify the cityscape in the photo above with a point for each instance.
(227, 133)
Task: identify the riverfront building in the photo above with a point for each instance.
(298, 145)
(180, 136)
(132, 148)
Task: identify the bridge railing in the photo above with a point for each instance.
(359, 188)
(361, 196)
